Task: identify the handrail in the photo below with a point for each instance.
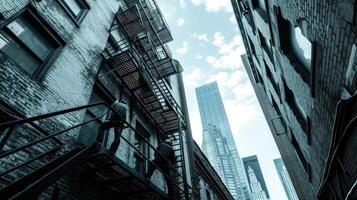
(151, 162)
(47, 115)
(6, 153)
(133, 50)
(56, 113)
(161, 16)
(174, 103)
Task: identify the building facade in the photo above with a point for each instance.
(62, 64)
(255, 178)
(301, 62)
(210, 185)
(285, 179)
(218, 143)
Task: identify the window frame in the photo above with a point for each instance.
(301, 156)
(306, 75)
(45, 29)
(82, 14)
(302, 118)
(143, 147)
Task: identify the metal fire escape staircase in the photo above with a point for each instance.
(143, 71)
(49, 158)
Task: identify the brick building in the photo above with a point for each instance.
(62, 63)
(301, 60)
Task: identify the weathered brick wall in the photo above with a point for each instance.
(329, 26)
(68, 82)
(330, 29)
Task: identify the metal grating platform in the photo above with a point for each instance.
(106, 170)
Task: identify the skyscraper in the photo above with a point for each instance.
(218, 143)
(285, 179)
(255, 178)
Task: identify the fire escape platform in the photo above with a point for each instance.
(155, 17)
(130, 20)
(146, 89)
(108, 171)
(135, 21)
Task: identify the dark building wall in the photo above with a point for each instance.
(67, 83)
(69, 79)
(253, 162)
(330, 28)
(208, 181)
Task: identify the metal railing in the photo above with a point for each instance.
(160, 84)
(66, 130)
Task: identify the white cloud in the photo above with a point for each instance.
(199, 37)
(183, 49)
(180, 22)
(229, 52)
(193, 78)
(214, 5)
(233, 20)
(218, 39)
(199, 56)
(182, 3)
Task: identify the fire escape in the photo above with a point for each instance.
(142, 61)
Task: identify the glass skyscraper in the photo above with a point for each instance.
(218, 143)
(285, 179)
(255, 177)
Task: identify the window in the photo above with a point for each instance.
(300, 154)
(160, 52)
(77, 9)
(87, 134)
(297, 109)
(118, 37)
(265, 45)
(252, 47)
(261, 8)
(301, 47)
(271, 79)
(296, 47)
(29, 42)
(141, 146)
(244, 6)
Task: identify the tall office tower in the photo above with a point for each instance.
(285, 179)
(215, 123)
(255, 178)
(301, 58)
(257, 192)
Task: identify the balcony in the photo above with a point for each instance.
(153, 94)
(92, 165)
(159, 58)
(154, 18)
(136, 20)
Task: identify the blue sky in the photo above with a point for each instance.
(208, 44)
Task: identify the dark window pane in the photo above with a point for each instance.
(75, 6)
(160, 53)
(31, 36)
(88, 132)
(18, 53)
(100, 109)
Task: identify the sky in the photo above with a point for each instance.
(208, 45)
